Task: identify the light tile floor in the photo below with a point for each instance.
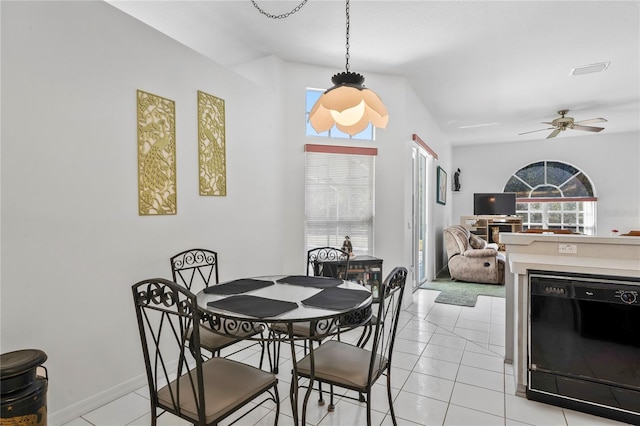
(448, 370)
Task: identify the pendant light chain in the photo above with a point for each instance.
(281, 16)
(348, 105)
(347, 44)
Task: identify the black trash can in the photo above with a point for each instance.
(23, 393)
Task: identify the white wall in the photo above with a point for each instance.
(610, 160)
(72, 241)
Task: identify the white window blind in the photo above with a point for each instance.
(340, 197)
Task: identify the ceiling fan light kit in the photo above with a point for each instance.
(563, 123)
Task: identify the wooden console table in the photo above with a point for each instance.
(482, 226)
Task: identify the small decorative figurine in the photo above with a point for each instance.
(456, 180)
(346, 246)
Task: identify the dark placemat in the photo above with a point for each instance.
(337, 299)
(305, 281)
(237, 286)
(254, 306)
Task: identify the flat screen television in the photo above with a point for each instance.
(499, 203)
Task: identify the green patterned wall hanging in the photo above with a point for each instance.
(156, 155)
(211, 145)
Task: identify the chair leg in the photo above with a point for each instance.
(263, 348)
(276, 353)
(307, 394)
(276, 358)
(393, 414)
(331, 404)
(275, 391)
(320, 399)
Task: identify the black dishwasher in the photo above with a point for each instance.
(584, 343)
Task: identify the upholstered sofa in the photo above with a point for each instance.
(471, 258)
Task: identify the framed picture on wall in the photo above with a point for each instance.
(441, 194)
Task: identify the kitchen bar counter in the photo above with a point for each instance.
(613, 256)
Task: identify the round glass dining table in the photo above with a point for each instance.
(284, 303)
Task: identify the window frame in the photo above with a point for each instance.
(360, 231)
(586, 206)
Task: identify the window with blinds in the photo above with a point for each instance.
(340, 196)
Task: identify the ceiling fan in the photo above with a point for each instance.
(563, 123)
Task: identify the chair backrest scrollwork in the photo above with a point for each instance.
(328, 262)
(195, 269)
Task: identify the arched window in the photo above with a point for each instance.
(554, 195)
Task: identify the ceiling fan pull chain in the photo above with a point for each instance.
(281, 16)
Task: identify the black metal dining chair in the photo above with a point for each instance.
(180, 381)
(196, 269)
(328, 262)
(356, 368)
(321, 261)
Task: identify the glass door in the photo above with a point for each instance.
(419, 217)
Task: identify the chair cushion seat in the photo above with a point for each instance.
(227, 385)
(301, 329)
(212, 341)
(351, 371)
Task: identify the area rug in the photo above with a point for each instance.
(461, 293)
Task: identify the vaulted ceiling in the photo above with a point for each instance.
(486, 70)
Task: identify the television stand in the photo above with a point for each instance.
(488, 226)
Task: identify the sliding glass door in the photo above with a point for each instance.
(420, 214)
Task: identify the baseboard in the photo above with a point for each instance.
(81, 408)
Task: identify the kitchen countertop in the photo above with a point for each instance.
(612, 256)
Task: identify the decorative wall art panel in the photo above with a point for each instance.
(441, 195)
(156, 155)
(211, 145)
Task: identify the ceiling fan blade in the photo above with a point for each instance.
(587, 128)
(591, 120)
(553, 134)
(533, 131)
(547, 122)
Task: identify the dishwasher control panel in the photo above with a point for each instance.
(596, 288)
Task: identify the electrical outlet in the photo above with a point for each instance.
(568, 248)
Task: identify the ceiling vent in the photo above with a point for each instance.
(590, 69)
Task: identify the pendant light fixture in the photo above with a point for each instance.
(348, 104)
